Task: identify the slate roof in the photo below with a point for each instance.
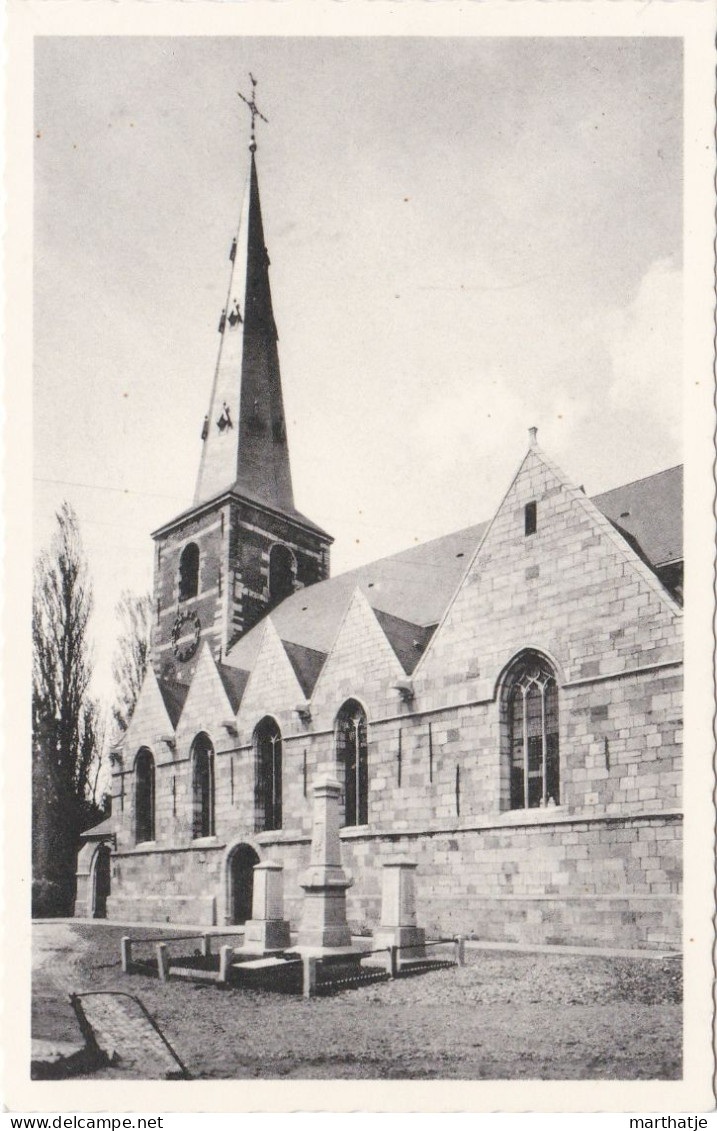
(174, 695)
(104, 829)
(306, 663)
(407, 640)
(650, 510)
(413, 586)
(234, 681)
(410, 590)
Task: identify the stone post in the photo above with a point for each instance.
(460, 950)
(126, 953)
(308, 983)
(226, 955)
(162, 962)
(398, 910)
(267, 929)
(323, 920)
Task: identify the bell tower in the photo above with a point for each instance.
(242, 547)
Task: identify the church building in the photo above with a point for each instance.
(501, 705)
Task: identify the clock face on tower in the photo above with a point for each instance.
(185, 636)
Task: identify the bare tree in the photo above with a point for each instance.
(129, 664)
(67, 731)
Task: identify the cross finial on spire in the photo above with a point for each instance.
(253, 110)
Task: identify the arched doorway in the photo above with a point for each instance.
(101, 882)
(241, 882)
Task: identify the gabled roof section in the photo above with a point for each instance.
(105, 828)
(173, 696)
(234, 681)
(151, 717)
(307, 665)
(361, 654)
(407, 640)
(273, 686)
(416, 585)
(208, 698)
(650, 511)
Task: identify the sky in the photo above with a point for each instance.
(467, 237)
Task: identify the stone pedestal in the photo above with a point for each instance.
(267, 930)
(398, 910)
(323, 921)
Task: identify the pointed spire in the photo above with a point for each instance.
(244, 440)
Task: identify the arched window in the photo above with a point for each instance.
(267, 743)
(144, 796)
(352, 758)
(531, 705)
(203, 786)
(189, 572)
(281, 573)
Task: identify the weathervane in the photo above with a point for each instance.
(254, 111)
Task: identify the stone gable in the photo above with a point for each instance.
(206, 708)
(361, 664)
(273, 688)
(149, 721)
(574, 589)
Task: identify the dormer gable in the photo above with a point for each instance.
(361, 657)
(273, 687)
(208, 706)
(150, 722)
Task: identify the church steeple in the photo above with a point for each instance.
(242, 547)
(245, 444)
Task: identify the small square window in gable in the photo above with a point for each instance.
(531, 517)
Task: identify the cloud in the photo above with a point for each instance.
(644, 344)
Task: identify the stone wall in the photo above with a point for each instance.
(613, 882)
(596, 881)
(166, 887)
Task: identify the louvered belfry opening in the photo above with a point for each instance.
(189, 572)
(281, 574)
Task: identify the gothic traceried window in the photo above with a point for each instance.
(267, 742)
(202, 787)
(531, 702)
(352, 758)
(189, 572)
(144, 796)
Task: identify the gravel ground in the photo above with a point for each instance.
(505, 1015)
